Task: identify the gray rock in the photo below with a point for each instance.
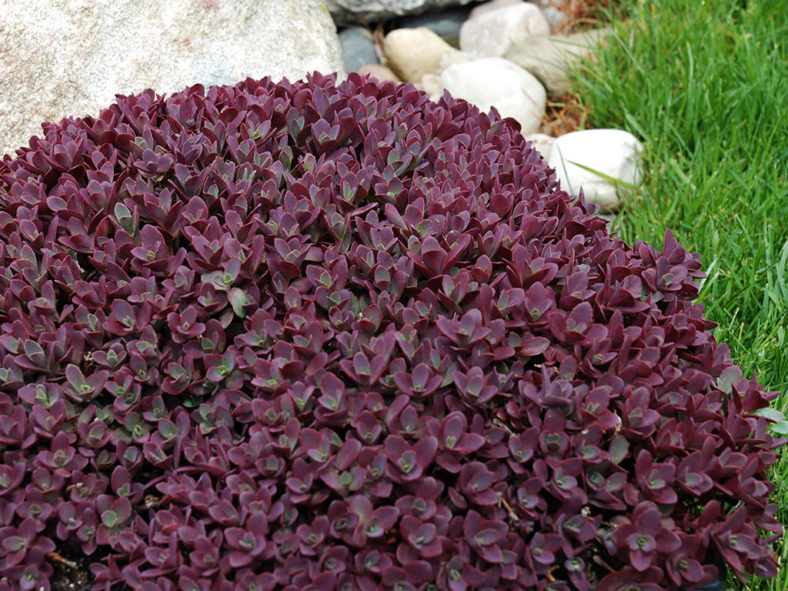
(358, 48)
(550, 58)
(375, 11)
(445, 24)
(64, 58)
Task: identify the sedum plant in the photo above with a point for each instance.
(309, 336)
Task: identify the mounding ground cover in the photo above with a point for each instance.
(308, 336)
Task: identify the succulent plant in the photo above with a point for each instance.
(313, 336)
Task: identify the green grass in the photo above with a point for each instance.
(704, 85)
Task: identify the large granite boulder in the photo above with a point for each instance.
(64, 58)
(375, 11)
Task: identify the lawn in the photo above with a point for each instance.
(704, 85)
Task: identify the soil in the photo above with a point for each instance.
(71, 570)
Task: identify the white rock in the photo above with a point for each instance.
(613, 152)
(550, 58)
(411, 53)
(494, 32)
(455, 56)
(542, 142)
(497, 82)
(64, 58)
(431, 84)
(491, 5)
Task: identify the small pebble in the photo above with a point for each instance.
(357, 47)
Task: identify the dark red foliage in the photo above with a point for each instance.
(311, 337)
